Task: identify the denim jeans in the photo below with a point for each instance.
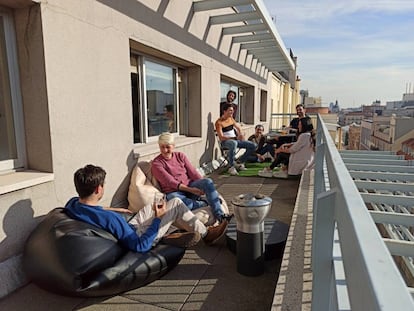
(266, 148)
(193, 202)
(280, 158)
(232, 144)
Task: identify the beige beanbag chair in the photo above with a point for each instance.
(143, 186)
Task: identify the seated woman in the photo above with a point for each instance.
(231, 137)
(294, 157)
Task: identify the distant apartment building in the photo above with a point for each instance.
(312, 101)
(407, 149)
(317, 109)
(313, 105)
(386, 133)
(365, 142)
(407, 111)
(354, 137)
(353, 117)
(404, 107)
(371, 110)
(407, 101)
(356, 115)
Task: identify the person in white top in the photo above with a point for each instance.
(296, 156)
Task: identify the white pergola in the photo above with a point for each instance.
(254, 33)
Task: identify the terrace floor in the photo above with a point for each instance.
(206, 278)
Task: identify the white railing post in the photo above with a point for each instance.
(322, 250)
(358, 271)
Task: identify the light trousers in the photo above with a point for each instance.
(177, 216)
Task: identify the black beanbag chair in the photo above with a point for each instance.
(74, 258)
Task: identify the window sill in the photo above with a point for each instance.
(23, 179)
(152, 148)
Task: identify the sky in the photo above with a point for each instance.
(352, 51)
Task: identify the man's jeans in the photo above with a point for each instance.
(232, 144)
(193, 202)
(266, 148)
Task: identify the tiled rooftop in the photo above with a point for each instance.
(205, 279)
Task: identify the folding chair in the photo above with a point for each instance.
(222, 161)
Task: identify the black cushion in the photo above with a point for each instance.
(74, 258)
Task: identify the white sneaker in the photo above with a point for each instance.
(240, 167)
(232, 171)
(265, 173)
(280, 174)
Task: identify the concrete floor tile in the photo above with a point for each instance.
(205, 279)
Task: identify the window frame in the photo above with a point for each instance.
(263, 106)
(225, 87)
(140, 70)
(244, 100)
(15, 93)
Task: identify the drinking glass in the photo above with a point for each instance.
(159, 199)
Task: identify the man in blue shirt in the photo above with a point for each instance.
(147, 227)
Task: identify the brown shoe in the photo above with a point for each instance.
(215, 233)
(182, 239)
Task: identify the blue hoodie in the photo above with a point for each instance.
(115, 224)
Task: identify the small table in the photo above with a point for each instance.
(278, 138)
(275, 236)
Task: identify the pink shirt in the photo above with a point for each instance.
(170, 173)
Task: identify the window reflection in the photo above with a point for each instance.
(8, 148)
(160, 82)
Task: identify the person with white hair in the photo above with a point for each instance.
(178, 178)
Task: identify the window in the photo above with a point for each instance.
(155, 104)
(263, 105)
(244, 100)
(11, 116)
(224, 88)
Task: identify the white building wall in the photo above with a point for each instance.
(86, 46)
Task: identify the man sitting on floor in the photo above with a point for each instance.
(262, 148)
(147, 227)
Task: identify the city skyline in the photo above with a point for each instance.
(355, 52)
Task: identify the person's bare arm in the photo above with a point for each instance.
(192, 190)
(240, 135)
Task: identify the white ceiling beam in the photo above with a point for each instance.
(232, 18)
(243, 29)
(258, 45)
(265, 53)
(252, 38)
(218, 4)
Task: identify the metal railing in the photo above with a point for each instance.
(352, 266)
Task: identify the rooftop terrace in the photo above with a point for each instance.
(335, 257)
(206, 278)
